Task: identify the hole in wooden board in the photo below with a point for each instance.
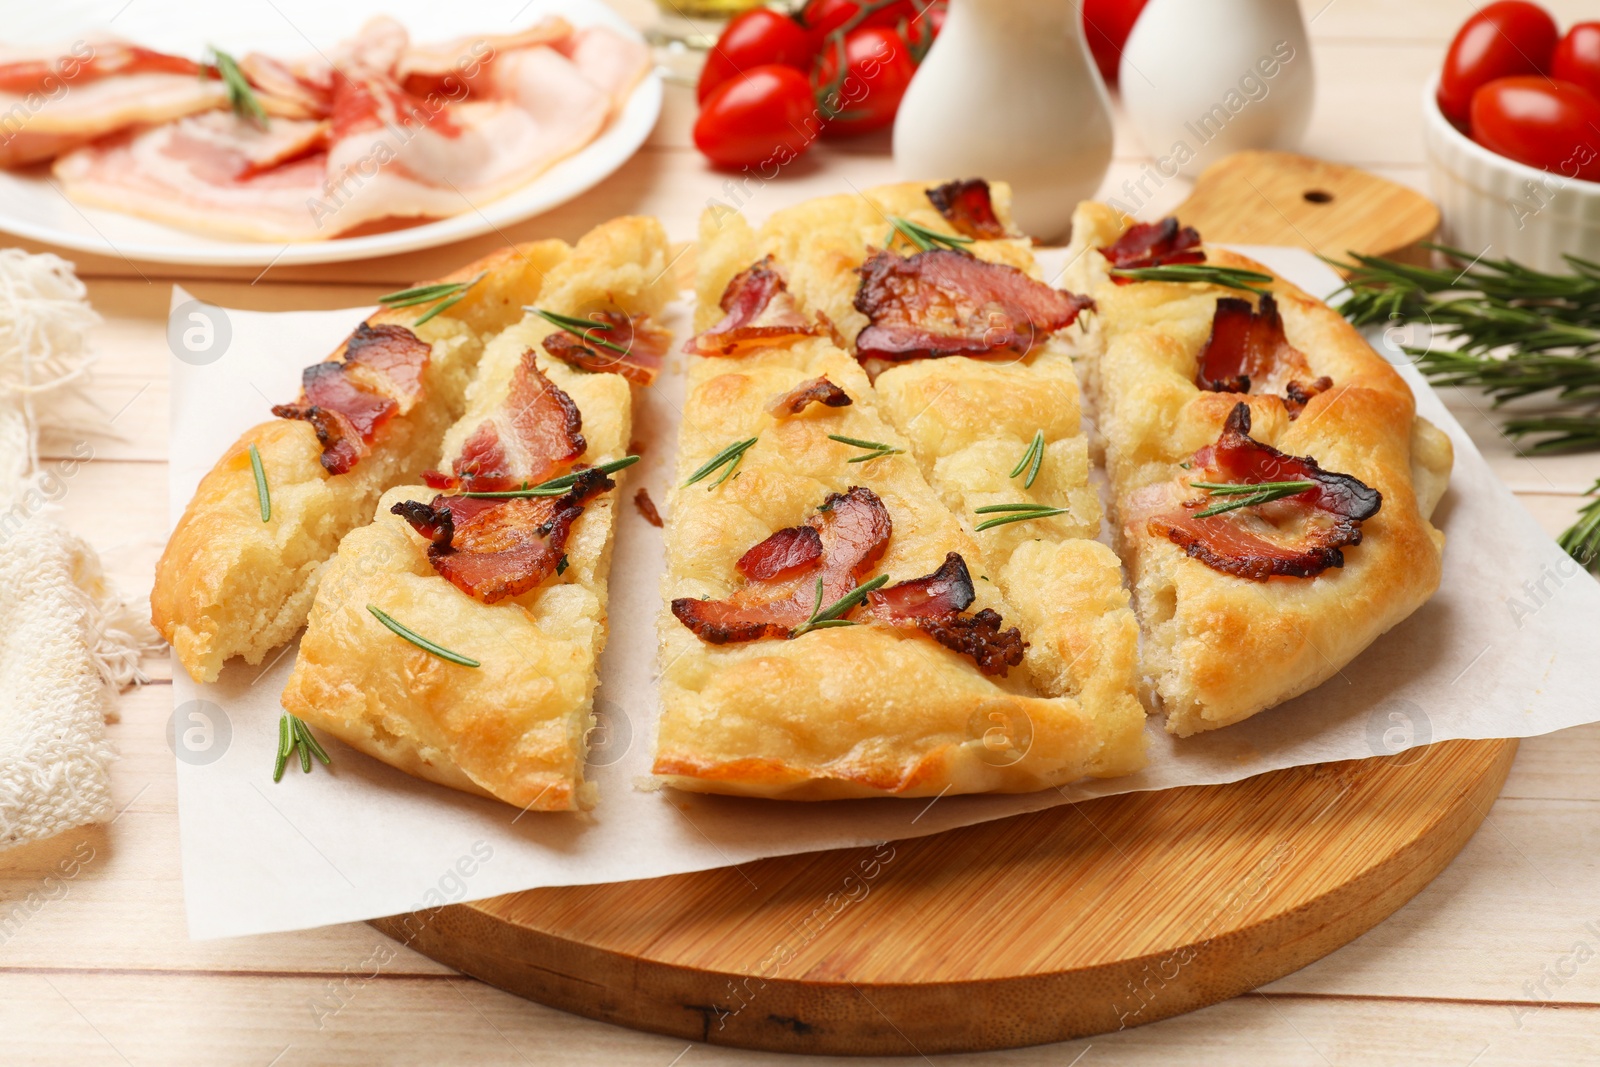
(1318, 196)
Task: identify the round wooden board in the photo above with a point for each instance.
(1067, 922)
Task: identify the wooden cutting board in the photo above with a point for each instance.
(1067, 922)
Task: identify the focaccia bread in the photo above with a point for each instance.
(230, 584)
(1245, 608)
(514, 726)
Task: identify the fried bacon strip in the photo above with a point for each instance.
(1154, 244)
(347, 402)
(936, 604)
(1248, 352)
(839, 544)
(498, 548)
(532, 436)
(966, 206)
(644, 347)
(943, 303)
(758, 312)
(1326, 516)
(812, 391)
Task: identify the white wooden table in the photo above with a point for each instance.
(1497, 962)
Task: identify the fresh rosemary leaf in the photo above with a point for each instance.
(1021, 516)
(311, 742)
(833, 614)
(241, 96)
(1566, 433)
(1581, 540)
(997, 509)
(263, 496)
(583, 329)
(420, 641)
(285, 743)
(555, 486)
(877, 449)
(447, 295)
(925, 239)
(1030, 460)
(1246, 494)
(729, 457)
(1229, 277)
(294, 737)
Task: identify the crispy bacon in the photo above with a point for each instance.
(347, 402)
(644, 347)
(1247, 351)
(1329, 514)
(808, 392)
(967, 207)
(851, 529)
(1154, 244)
(759, 312)
(943, 303)
(936, 603)
(499, 548)
(646, 506)
(532, 436)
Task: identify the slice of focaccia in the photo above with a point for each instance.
(1272, 480)
(233, 583)
(515, 585)
(979, 400)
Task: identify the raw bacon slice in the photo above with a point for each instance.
(851, 529)
(811, 391)
(494, 549)
(644, 347)
(1154, 244)
(1328, 515)
(936, 603)
(759, 313)
(533, 435)
(1248, 352)
(943, 303)
(966, 206)
(347, 402)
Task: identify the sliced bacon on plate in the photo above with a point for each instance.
(758, 313)
(966, 206)
(499, 548)
(1298, 536)
(936, 604)
(534, 434)
(643, 347)
(1248, 352)
(943, 303)
(850, 531)
(811, 391)
(348, 402)
(1154, 244)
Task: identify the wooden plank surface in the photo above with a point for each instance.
(98, 968)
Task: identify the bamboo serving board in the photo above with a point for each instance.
(1063, 923)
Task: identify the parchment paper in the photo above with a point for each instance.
(1505, 649)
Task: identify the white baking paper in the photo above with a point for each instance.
(1505, 649)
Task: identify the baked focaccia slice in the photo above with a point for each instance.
(934, 292)
(1272, 481)
(513, 584)
(232, 583)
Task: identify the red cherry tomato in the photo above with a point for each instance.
(1107, 24)
(1543, 123)
(762, 117)
(822, 17)
(1503, 39)
(754, 39)
(1577, 58)
(864, 94)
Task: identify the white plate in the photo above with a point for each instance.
(34, 206)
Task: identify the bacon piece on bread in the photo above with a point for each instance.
(811, 391)
(966, 206)
(642, 347)
(1153, 244)
(1248, 352)
(532, 436)
(758, 312)
(936, 604)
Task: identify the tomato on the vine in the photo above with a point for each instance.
(1503, 39)
(760, 117)
(1577, 58)
(1107, 24)
(823, 17)
(863, 93)
(754, 39)
(1543, 123)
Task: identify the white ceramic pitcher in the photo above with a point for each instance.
(1008, 92)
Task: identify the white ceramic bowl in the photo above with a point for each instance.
(1505, 209)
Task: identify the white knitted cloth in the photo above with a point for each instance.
(67, 640)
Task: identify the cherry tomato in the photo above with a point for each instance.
(822, 17)
(753, 39)
(1503, 39)
(864, 94)
(1107, 24)
(1548, 124)
(1577, 58)
(762, 117)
